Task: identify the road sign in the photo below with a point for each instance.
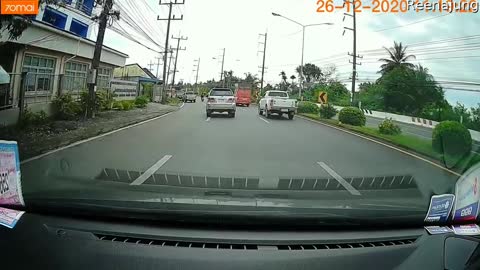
(323, 98)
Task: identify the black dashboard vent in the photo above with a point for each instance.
(240, 246)
(348, 245)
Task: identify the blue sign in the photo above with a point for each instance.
(440, 208)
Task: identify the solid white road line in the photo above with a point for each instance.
(264, 120)
(208, 119)
(340, 179)
(384, 144)
(93, 138)
(142, 178)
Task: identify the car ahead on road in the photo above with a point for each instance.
(189, 97)
(243, 97)
(221, 100)
(277, 102)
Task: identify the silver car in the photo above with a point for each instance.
(221, 100)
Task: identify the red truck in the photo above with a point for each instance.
(243, 96)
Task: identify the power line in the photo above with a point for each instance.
(412, 23)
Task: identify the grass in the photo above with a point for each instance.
(174, 101)
(418, 145)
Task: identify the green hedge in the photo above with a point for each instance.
(307, 107)
(328, 111)
(142, 101)
(388, 127)
(451, 138)
(352, 116)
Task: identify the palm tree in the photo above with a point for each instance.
(284, 77)
(398, 58)
(293, 78)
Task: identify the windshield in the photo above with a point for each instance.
(221, 93)
(333, 113)
(277, 94)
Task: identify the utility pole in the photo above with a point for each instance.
(158, 64)
(169, 64)
(221, 74)
(354, 55)
(197, 66)
(150, 66)
(102, 26)
(169, 19)
(263, 63)
(178, 49)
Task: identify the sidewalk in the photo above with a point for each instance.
(37, 140)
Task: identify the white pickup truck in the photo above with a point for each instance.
(277, 102)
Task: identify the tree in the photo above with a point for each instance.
(372, 96)
(16, 24)
(293, 79)
(398, 58)
(311, 73)
(283, 84)
(409, 90)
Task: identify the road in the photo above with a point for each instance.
(187, 142)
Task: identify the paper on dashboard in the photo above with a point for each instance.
(10, 176)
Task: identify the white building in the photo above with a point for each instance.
(57, 54)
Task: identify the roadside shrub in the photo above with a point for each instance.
(451, 138)
(307, 107)
(328, 111)
(30, 119)
(352, 116)
(124, 105)
(103, 101)
(173, 101)
(65, 108)
(142, 101)
(388, 127)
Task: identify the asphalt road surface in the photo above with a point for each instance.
(187, 142)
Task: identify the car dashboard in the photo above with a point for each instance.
(53, 242)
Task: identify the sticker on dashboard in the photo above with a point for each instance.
(471, 229)
(433, 230)
(467, 193)
(9, 218)
(440, 208)
(10, 183)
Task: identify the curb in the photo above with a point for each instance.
(82, 141)
(386, 144)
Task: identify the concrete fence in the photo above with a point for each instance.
(408, 120)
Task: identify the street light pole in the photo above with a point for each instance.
(301, 65)
(303, 45)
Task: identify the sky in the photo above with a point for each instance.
(212, 25)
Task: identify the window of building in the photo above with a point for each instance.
(104, 77)
(54, 17)
(75, 78)
(40, 73)
(85, 6)
(79, 28)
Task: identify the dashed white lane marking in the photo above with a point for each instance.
(340, 179)
(264, 120)
(93, 138)
(208, 119)
(142, 178)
